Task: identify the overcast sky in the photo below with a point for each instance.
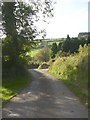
(70, 17)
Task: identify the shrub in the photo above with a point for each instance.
(32, 64)
(62, 54)
(73, 70)
(43, 66)
(51, 61)
(54, 50)
(59, 47)
(43, 55)
(72, 44)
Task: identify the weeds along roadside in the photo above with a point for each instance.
(73, 70)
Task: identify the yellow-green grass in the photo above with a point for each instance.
(34, 52)
(73, 70)
(12, 87)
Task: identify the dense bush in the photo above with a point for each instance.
(72, 44)
(32, 64)
(51, 61)
(54, 50)
(43, 55)
(73, 69)
(43, 66)
(13, 62)
(62, 54)
(60, 46)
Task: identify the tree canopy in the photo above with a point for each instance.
(18, 25)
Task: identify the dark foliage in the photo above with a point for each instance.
(18, 25)
(54, 50)
(72, 44)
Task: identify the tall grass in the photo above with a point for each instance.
(73, 70)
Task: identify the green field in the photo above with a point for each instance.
(44, 43)
(34, 52)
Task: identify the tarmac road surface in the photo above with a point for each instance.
(45, 97)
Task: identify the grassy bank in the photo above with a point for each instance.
(12, 86)
(73, 70)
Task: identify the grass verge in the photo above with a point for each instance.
(11, 87)
(73, 70)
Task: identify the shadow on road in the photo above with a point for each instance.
(45, 97)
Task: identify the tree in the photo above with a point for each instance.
(68, 38)
(54, 50)
(10, 43)
(18, 23)
(66, 45)
(59, 47)
(72, 44)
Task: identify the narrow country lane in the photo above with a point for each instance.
(45, 97)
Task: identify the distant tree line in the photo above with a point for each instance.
(70, 45)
